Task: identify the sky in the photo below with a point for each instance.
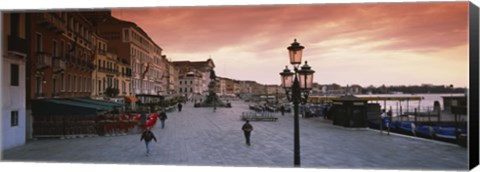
(363, 43)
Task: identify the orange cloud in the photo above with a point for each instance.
(335, 31)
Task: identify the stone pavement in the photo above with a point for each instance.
(201, 137)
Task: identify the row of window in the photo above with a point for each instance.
(186, 82)
(102, 47)
(57, 51)
(77, 27)
(145, 85)
(80, 84)
(108, 65)
(110, 82)
(186, 90)
(137, 38)
(73, 84)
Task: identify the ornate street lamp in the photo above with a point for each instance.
(301, 84)
(306, 80)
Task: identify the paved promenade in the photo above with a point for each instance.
(201, 137)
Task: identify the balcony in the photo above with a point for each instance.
(107, 70)
(17, 44)
(128, 73)
(59, 64)
(39, 95)
(52, 22)
(102, 52)
(91, 66)
(43, 60)
(72, 61)
(56, 94)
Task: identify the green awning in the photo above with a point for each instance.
(64, 107)
(97, 102)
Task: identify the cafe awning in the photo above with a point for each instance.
(97, 102)
(65, 107)
(130, 99)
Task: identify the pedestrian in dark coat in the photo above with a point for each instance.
(163, 117)
(179, 107)
(282, 109)
(148, 135)
(247, 129)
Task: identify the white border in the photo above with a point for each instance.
(8, 5)
(87, 4)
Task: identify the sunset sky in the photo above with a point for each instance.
(365, 44)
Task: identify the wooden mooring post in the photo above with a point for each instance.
(438, 116)
(415, 116)
(389, 114)
(429, 116)
(381, 123)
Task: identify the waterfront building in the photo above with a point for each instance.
(258, 89)
(124, 78)
(133, 46)
(245, 87)
(105, 73)
(172, 77)
(159, 73)
(110, 72)
(273, 89)
(228, 87)
(222, 87)
(236, 87)
(60, 58)
(14, 56)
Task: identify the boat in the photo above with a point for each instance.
(448, 131)
(426, 131)
(406, 128)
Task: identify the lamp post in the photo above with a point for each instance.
(296, 84)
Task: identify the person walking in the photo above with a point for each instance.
(282, 109)
(163, 117)
(148, 135)
(383, 115)
(179, 107)
(247, 129)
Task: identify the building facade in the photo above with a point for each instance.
(201, 70)
(106, 68)
(136, 48)
(124, 78)
(60, 57)
(14, 55)
(190, 85)
(172, 77)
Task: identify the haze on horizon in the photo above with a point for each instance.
(366, 44)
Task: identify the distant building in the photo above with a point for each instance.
(332, 89)
(245, 87)
(201, 71)
(355, 89)
(190, 84)
(273, 89)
